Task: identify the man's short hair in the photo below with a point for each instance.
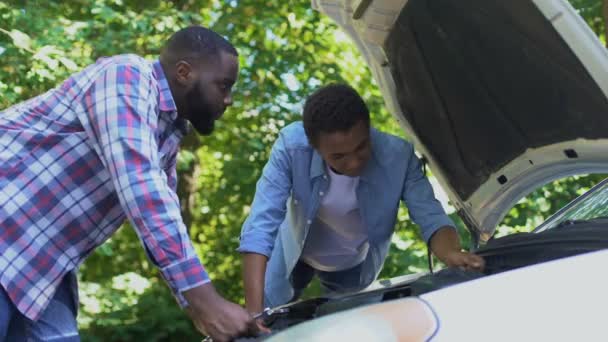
(194, 44)
(333, 108)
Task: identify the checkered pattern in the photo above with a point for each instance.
(79, 159)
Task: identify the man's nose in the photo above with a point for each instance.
(354, 164)
(228, 100)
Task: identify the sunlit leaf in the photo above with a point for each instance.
(21, 40)
(68, 63)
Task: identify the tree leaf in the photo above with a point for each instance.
(68, 63)
(21, 40)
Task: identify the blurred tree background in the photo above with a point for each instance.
(286, 51)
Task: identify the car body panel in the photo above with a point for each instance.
(499, 97)
(409, 319)
(560, 300)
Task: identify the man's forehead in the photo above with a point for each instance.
(228, 60)
(342, 142)
(223, 63)
(226, 67)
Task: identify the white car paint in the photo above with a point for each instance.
(561, 300)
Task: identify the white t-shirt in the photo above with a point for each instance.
(337, 239)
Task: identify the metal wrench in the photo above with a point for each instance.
(265, 314)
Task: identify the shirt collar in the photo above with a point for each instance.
(370, 172)
(317, 165)
(166, 102)
(165, 99)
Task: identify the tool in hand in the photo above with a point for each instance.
(264, 315)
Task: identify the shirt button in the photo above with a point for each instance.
(321, 193)
(308, 222)
(295, 202)
(324, 176)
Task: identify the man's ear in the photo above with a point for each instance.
(183, 72)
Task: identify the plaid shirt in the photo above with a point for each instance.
(79, 159)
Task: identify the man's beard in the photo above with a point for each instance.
(201, 114)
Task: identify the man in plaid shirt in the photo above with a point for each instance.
(79, 159)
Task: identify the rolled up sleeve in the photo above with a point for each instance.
(269, 204)
(424, 209)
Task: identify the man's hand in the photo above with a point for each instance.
(214, 316)
(261, 326)
(465, 261)
(445, 244)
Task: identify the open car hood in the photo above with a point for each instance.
(500, 97)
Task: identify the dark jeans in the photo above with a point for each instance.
(340, 281)
(57, 323)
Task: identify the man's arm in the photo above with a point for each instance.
(260, 229)
(437, 228)
(121, 123)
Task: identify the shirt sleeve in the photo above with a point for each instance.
(424, 209)
(269, 203)
(121, 121)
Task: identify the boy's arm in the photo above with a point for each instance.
(261, 227)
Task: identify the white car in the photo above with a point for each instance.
(500, 97)
(562, 300)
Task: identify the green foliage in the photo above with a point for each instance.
(286, 51)
(592, 12)
(130, 308)
(532, 210)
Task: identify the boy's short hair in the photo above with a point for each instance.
(333, 108)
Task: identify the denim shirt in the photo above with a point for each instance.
(288, 196)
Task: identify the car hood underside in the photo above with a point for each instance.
(499, 96)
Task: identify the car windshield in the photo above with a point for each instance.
(589, 206)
